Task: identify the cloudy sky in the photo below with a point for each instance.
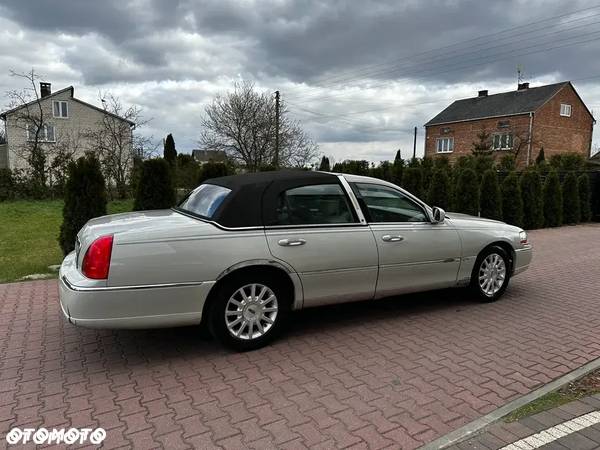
(358, 74)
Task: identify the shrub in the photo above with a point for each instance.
(187, 172)
(215, 170)
(552, 200)
(442, 162)
(567, 161)
(397, 170)
(412, 181)
(155, 187)
(324, 166)
(169, 151)
(531, 193)
(570, 194)
(507, 163)
(354, 167)
(85, 198)
(426, 172)
(384, 171)
(490, 196)
(481, 163)
(439, 189)
(512, 203)
(467, 192)
(541, 157)
(585, 202)
(464, 162)
(7, 185)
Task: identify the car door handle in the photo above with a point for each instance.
(390, 238)
(291, 242)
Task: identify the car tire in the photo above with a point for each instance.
(249, 311)
(491, 274)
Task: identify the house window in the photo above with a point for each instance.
(445, 145)
(47, 133)
(60, 109)
(502, 141)
(565, 110)
(503, 124)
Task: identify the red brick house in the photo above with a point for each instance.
(552, 117)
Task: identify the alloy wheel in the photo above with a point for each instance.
(251, 311)
(492, 274)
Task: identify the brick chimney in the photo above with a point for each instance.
(522, 86)
(45, 89)
(483, 93)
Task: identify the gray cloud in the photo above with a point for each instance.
(393, 59)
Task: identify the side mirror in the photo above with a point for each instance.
(438, 215)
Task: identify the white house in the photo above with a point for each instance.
(67, 121)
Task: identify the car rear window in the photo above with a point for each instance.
(205, 200)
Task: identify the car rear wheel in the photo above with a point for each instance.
(249, 312)
(491, 274)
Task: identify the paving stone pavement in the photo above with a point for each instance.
(502, 434)
(389, 374)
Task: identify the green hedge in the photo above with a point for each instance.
(570, 197)
(491, 196)
(531, 193)
(439, 189)
(155, 188)
(85, 198)
(552, 199)
(585, 200)
(512, 203)
(467, 192)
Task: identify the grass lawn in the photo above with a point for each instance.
(582, 387)
(28, 235)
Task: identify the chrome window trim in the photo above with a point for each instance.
(353, 199)
(216, 224)
(418, 201)
(74, 287)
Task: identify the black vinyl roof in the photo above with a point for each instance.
(497, 105)
(243, 207)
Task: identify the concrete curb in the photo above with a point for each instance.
(478, 424)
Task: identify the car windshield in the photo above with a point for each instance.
(205, 200)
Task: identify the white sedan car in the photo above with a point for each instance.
(241, 252)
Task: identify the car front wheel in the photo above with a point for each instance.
(249, 312)
(491, 274)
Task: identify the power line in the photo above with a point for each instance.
(349, 76)
(483, 60)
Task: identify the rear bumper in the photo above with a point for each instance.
(136, 306)
(523, 257)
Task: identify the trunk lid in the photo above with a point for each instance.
(139, 227)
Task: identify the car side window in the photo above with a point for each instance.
(314, 205)
(385, 204)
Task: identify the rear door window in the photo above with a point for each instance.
(314, 205)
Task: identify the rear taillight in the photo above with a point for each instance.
(97, 258)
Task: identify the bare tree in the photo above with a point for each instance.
(242, 123)
(68, 145)
(114, 142)
(29, 117)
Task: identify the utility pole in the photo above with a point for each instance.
(415, 145)
(276, 159)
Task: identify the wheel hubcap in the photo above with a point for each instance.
(492, 274)
(251, 311)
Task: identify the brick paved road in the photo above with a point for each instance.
(393, 373)
(501, 434)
